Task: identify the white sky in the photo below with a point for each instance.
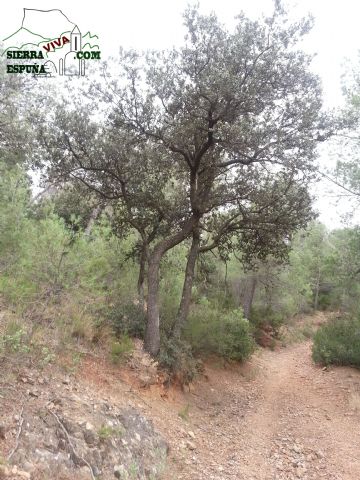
(158, 24)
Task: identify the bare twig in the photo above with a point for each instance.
(71, 445)
(21, 421)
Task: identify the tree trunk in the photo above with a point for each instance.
(152, 333)
(141, 277)
(184, 307)
(93, 217)
(317, 288)
(249, 296)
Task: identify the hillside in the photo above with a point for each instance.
(276, 417)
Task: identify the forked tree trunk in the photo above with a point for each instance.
(152, 333)
(185, 302)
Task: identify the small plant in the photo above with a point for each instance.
(121, 348)
(106, 431)
(184, 412)
(133, 470)
(48, 356)
(13, 340)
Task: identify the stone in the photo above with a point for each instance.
(120, 471)
(91, 438)
(2, 431)
(22, 474)
(4, 471)
(33, 393)
(191, 445)
(146, 380)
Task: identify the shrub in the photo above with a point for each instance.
(127, 319)
(177, 358)
(235, 340)
(261, 317)
(14, 339)
(213, 331)
(338, 342)
(121, 349)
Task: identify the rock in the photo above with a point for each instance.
(33, 393)
(28, 466)
(146, 380)
(91, 438)
(4, 471)
(120, 471)
(191, 445)
(22, 474)
(319, 454)
(89, 426)
(191, 434)
(2, 431)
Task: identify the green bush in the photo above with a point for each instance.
(235, 340)
(14, 339)
(261, 317)
(177, 358)
(121, 349)
(129, 319)
(213, 331)
(338, 342)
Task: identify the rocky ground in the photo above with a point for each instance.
(279, 417)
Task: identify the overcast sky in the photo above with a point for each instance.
(158, 24)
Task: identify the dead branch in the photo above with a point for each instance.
(71, 445)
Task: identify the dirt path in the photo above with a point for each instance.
(284, 418)
(279, 417)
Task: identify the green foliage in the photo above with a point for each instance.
(263, 317)
(14, 339)
(105, 432)
(235, 340)
(47, 356)
(177, 358)
(121, 348)
(128, 318)
(14, 201)
(215, 331)
(338, 342)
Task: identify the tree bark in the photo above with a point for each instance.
(141, 277)
(249, 296)
(93, 217)
(185, 302)
(317, 288)
(152, 333)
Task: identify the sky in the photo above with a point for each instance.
(335, 39)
